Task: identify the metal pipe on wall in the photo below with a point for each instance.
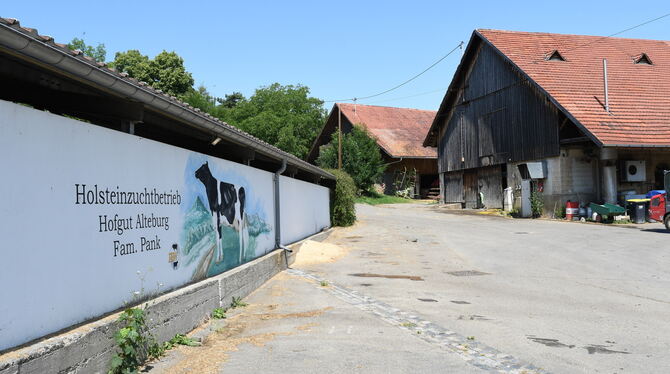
(275, 179)
(607, 99)
(278, 244)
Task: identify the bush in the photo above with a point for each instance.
(342, 210)
(536, 204)
(361, 157)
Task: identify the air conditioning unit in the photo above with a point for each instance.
(635, 171)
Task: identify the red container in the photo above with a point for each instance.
(571, 210)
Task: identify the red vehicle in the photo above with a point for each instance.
(659, 207)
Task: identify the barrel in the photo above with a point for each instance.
(571, 210)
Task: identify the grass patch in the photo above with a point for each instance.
(373, 198)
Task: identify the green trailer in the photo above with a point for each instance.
(607, 211)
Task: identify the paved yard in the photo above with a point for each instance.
(412, 288)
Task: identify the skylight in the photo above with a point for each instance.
(642, 59)
(554, 56)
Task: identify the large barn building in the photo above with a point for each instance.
(579, 118)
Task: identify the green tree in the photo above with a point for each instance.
(231, 101)
(361, 157)
(201, 99)
(98, 53)
(165, 72)
(284, 116)
(342, 208)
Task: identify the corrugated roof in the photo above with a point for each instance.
(639, 94)
(56, 51)
(398, 131)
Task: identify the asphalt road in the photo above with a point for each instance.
(424, 290)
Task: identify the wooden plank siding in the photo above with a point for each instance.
(498, 117)
(453, 187)
(465, 186)
(490, 186)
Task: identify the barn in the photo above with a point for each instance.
(399, 132)
(565, 117)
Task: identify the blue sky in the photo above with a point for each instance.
(339, 49)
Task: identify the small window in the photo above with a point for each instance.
(554, 56)
(642, 59)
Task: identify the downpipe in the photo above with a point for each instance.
(278, 244)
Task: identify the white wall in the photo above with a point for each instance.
(300, 217)
(60, 267)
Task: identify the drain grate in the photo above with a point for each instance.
(466, 273)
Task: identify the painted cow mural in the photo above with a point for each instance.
(220, 225)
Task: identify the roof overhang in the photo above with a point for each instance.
(28, 45)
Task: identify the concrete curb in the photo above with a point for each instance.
(89, 348)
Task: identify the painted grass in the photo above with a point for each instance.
(376, 199)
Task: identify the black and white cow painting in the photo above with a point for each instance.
(226, 202)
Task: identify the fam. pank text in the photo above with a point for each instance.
(141, 221)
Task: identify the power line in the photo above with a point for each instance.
(460, 45)
(403, 83)
(619, 32)
(429, 92)
(410, 96)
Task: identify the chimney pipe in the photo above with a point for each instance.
(607, 100)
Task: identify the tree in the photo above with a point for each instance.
(231, 101)
(98, 53)
(284, 116)
(201, 99)
(165, 72)
(361, 157)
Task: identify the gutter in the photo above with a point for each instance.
(28, 43)
(277, 197)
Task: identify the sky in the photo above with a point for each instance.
(340, 50)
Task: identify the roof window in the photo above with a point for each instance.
(642, 59)
(554, 56)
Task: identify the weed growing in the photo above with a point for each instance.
(135, 343)
(237, 303)
(219, 313)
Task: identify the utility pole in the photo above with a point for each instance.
(339, 137)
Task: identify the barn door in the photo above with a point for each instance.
(471, 188)
(453, 187)
(490, 186)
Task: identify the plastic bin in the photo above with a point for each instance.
(638, 211)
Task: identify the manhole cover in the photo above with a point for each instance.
(459, 302)
(466, 273)
(522, 233)
(428, 300)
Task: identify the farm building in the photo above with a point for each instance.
(580, 118)
(399, 132)
(135, 186)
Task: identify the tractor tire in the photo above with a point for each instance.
(666, 221)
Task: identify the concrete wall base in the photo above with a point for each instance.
(89, 348)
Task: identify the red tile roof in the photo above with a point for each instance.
(399, 131)
(639, 95)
